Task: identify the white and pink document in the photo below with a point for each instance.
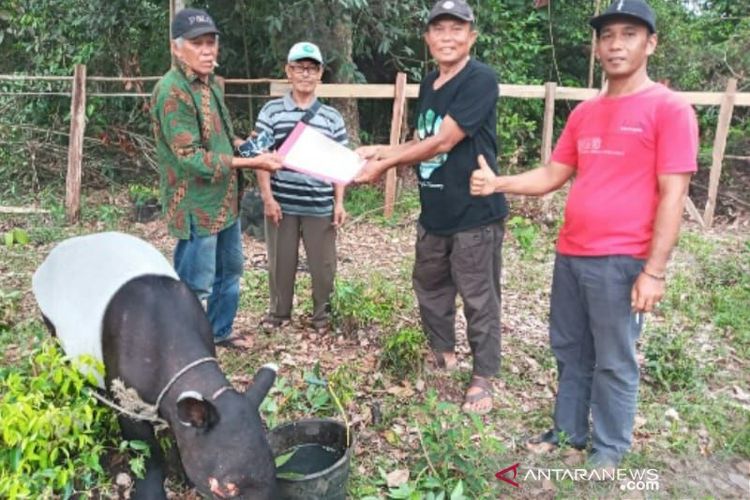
(311, 152)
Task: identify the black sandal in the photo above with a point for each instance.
(230, 342)
(270, 323)
(441, 364)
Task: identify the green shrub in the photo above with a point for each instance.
(459, 454)
(53, 432)
(141, 195)
(357, 303)
(670, 361)
(403, 351)
(526, 234)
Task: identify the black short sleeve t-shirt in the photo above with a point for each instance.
(470, 98)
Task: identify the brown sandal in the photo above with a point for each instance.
(485, 392)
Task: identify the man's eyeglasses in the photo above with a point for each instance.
(301, 69)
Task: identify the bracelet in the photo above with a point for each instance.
(653, 276)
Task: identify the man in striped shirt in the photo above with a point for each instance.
(295, 204)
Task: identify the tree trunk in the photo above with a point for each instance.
(343, 72)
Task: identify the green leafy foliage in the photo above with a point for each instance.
(358, 303)
(53, 432)
(288, 399)
(16, 236)
(141, 195)
(457, 459)
(403, 351)
(526, 233)
(670, 360)
(254, 290)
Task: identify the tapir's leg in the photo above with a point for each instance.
(151, 487)
(49, 325)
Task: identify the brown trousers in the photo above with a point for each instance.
(467, 263)
(282, 243)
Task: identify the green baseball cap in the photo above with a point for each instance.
(304, 50)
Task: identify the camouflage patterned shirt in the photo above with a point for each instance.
(193, 135)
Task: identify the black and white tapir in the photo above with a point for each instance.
(117, 298)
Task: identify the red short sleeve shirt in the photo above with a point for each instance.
(619, 146)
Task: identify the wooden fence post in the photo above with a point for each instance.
(175, 6)
(694, 213)
(550, 92)
(75, 144)
(399, 103)
(720, 144)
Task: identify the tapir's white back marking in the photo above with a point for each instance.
(81, 275)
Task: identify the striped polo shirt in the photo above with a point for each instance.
(298, 193)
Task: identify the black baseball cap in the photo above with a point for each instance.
(635, 9)
(192, 23)
(453, 8)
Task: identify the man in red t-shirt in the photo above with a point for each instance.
(631, 152)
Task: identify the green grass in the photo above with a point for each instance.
(254, 291)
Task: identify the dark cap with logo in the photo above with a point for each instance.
(635, 9)
(451, 8)
(192, 23)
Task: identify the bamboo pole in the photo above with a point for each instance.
(25, 94)
(720, 144)
(399, 102)
(372, 91)
(75, 145)
(23, 210)
(39, 78)
(123, 78)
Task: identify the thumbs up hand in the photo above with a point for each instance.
(482, 179)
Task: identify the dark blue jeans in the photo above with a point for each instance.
(593, 332)
(212, 266)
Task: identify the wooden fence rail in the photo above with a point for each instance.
(399, 92)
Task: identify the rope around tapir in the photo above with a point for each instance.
(132, 405)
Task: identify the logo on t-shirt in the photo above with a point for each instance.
(428, 125)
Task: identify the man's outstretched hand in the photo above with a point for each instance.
(370, 172)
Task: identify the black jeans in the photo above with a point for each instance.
(467, 263)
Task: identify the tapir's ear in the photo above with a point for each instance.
(262, 383)
(194, 411)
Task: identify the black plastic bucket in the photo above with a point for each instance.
(320, 464)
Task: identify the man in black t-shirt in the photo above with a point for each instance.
(459, 236)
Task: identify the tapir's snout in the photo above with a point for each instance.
(229, 490)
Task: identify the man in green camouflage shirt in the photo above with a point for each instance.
(199, 173)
